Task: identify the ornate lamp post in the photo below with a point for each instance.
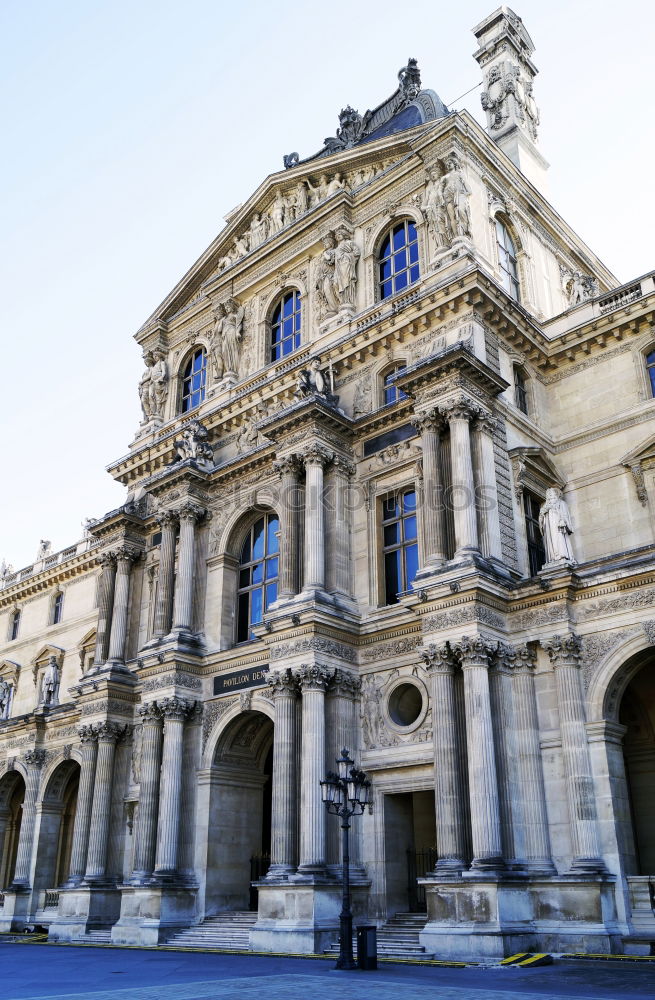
(346, 794)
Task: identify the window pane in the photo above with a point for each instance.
(271, 594)
(409, 501)
(390, 508)
(385, 249)
(258, 573)
(386, 290)
(411, 229)
(244, 578)
(651, 372)
(243, 630)
(410, 528)
(392, 576)
(414, 273)
(400, 261)
(413, 253)
(391, 534)
(258, 540)
(385, 270)
(650, 358)
(288, 305)
(411, 564)
(256, 609)
(273, 528)
(401, 280)
(271, 569)
(399, 237)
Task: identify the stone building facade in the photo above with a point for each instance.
(393, 490)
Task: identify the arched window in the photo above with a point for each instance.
(520, 389)
(14, 626)
(285, 325)
(398, 259)
(650, 370)
(57, 608)
(399, 543)
(193, 380)
(258, 574)
(509, 273)
(391, 391)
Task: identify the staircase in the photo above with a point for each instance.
(226, 931)
(96, 937)
(398, 938)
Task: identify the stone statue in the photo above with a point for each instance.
(301, 199)
(433, 206)
(456, 193)
(336, 184)
(231, 334)
(50, 683)
(144, 388)
(158, 384)
(87, 524)
(278, 213)
(258, 231)
(44, 549)
(6, 569)
(242, 245)
(346, 255)
(313, 381)
(578, 287)
(318, 192)
(216, 342)
(6, 692)
(555, 526)
(325, 287)
(247, 436)
(193, 444)
(409, 80)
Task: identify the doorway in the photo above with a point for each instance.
(409, 841)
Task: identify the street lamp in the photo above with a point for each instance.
(346, 794)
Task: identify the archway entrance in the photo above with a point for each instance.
(409, 847)
(55, 832)
(239, 842)
(637, 714)
(12, 794)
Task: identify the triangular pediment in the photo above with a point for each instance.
(643, 454)
(534, 470)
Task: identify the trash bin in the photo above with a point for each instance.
(367, 947)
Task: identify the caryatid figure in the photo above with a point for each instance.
(433, 206)
(232, 333)
(456, 193)
(144, 388)
(158, 383)
(325, 283)
(346, 255)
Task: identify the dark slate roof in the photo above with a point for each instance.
(407, 107)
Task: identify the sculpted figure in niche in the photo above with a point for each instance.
(258, 230)
(231, 335)
(241, 244)
(336, 184)
(555, 526)
(216, 342)
(320, 192)
(301, 199)
(158, 384)
(433, 206)
(456, 194)
(6, 691)
(346, 255)
(193, 443)
(50, 683)
(278, 213)
(144, 389)
(325, 286)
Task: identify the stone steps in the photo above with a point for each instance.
(97, 937)
(397, 938)
(229, 931)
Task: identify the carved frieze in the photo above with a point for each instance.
(316, 644)
(212, 713)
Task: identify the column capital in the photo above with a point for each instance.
(167, 518)
(126, 555)
(344, 465)
(176, 708)
(35, 758)
(428, 420)
(474, 651)
(563, 649)
(287, 465)
(344, 683)
(438, 658)
(458, 408)
(87, 734)
(282, 681)
(314, 676)
(150, 711)
(190, 511)
(317, 454)
(109, 732)
(524, 656)
(486, 422)
(106, 559)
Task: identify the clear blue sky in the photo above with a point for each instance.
(131, 129)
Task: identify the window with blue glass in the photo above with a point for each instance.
(509, 273)
(194, 379)
(398, 259)
(57, 608)
(399, 543)
(391, 391)
(14, 625)
(258, 574)
(285, 326)
(650, 368)
(520, 390)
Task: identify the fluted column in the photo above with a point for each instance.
(530, 789)
(341, 731)
(125, 556)
(433, 525)
(483, 787)
(486, 488)
(313, 680)
(564, 653)
(146, 817)
(34, 760)
(459, 412)
(167, 521)
(105, 606)
(96, 859)
(175, 712)
(316, 458)
(339, 559)
(448, 791)
(502, 712)
(189, 514)
(284, 807)
(89, 740)
(288, 469)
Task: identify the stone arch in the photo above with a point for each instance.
(12, 794)
(56, 820)
(613, 674)
(234, 709)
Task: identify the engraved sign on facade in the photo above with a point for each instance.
(240, 679)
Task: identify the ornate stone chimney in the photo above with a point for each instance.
(504, 56)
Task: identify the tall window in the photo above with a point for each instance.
(509, 273)
(520, 391)
(193, 380)
(285, 326)
(650, 368)
(258, 574)
(536, 550)
(399, 541)
(57, 608)
(391, 392)
(14, 625)
(398, 260)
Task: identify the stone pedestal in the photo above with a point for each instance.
(15, 913)
(84, 908)
(150, 914)
(301, 919)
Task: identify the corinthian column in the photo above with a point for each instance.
(89, 740)
(124, 559)
(34, 760)
(458, 413)
(316, 458)
(313, 680)
(564, 653)
(483, 788)
(339, 565)
(341, 731)
(284, 808)
(432, 521)
(502, 710)
(167, 521)
(105, 606)
(288, 469)
(96, 860)
(487, 492)
(189, 515)
(448, 791)
(530, 790)
(146, 817)
(175, 712)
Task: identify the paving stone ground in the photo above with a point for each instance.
(37, 972)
